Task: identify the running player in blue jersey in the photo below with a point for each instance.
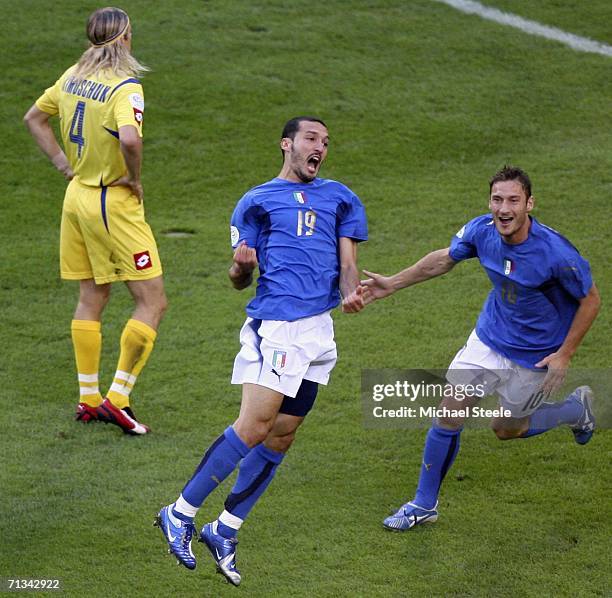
(542, 304)
(302, 232)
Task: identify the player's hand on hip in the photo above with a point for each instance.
(61, 163)
(135, 186)
(557, 364)
(354, 302)
(245, 257)
(376, 287)
(68, 174)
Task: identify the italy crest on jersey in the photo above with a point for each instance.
(279, 359)
(508, 267)
(299, 196)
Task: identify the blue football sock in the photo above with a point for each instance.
(441, 448)
(182, 516)
(551, 415)
(182, 510)
(218, 462)
(255, 474)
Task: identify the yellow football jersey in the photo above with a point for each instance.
(91, 111)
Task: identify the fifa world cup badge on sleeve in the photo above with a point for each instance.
(234, 235)
(137, 103)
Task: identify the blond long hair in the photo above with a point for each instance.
(105, 29)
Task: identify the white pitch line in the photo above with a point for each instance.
(582, 44)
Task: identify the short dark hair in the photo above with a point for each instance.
(512, 173)
(292, 126)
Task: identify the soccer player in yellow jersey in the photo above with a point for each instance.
(104, 237)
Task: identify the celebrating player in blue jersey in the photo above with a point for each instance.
(542, 304)
(302, 232)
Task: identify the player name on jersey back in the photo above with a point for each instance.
(85, 88)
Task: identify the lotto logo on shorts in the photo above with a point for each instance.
(142, 260)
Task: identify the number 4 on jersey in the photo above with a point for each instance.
(76, 126)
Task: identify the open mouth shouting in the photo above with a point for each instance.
(313, 163)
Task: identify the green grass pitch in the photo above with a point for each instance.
(423, 104)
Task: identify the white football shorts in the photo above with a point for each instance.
(279, 354)
(518, 388)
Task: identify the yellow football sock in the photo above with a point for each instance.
(137, 342)
(87, 342)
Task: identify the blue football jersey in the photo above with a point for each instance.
(295, 228)
(537, 285)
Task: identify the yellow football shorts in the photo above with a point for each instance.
(104, 236)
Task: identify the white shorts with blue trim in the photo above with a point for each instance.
(518, 388)
(278, 354)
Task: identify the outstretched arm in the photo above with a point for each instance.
(350, 289)
(433, 264)
(559, 361)
(241, 270)
(38, 124)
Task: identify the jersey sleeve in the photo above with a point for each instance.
(463, 246)
(245, 223)
(574, 274)
(353, 222)
(49, 101)
(128, 106)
